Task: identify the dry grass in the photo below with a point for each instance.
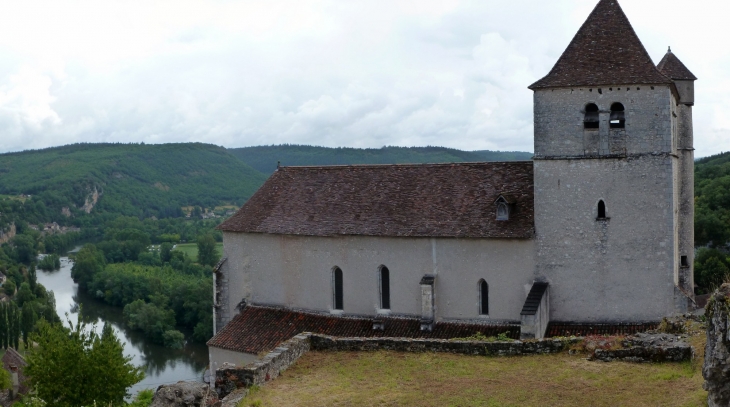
(428, 379)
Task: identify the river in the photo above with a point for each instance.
(162, 365)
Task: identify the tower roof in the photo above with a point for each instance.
(604, 51)
(674, 69)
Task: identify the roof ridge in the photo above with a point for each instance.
(449, 164)
(604, 51)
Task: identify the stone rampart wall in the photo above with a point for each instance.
(275, 362)
(481, 348)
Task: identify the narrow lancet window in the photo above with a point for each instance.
(601, 210)
(384, 288)
(337, 296)
(483, 298)
(618, 119)
(591, 118)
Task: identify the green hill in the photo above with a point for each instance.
(712, 200)
(131, 179)
(265, 158)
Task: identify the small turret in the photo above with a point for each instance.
(683, 79)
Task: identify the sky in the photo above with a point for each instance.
(355, 73)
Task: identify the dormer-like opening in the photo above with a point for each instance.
(504, 207)
(617, 119)
(590, 120)
(601, 210)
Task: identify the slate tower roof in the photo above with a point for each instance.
(605, 51)
(674, 69)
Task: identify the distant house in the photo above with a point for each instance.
(12, 360)
(596, 230)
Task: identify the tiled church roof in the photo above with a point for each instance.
(673, 68)
(605, 51)
(260, 329)
(425, 200)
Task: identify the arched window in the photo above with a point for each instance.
(337, 288)
(483, 297)
(591, 118)
(601, 210)
(384, 288)
(618, 119)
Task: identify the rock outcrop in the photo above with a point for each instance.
(6, 235)
(716, 369)
(184, 394)
(91, 201)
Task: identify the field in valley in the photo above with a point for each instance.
(191, 249)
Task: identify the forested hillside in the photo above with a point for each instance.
(265, 158)
(712, 221)
(130, 179)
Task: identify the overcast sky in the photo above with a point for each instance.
(331, 73)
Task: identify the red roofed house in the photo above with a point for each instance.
(597, 230)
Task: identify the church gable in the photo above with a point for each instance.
(428, 200)
(605, 51)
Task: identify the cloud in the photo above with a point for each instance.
(324, 72)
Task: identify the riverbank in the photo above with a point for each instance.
(162, 365)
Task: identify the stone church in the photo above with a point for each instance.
(594, 235)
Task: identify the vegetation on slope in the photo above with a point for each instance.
(265, 158)
(134, 179)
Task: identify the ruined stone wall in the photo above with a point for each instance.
(268, 368)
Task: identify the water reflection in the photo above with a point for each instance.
(162, 365)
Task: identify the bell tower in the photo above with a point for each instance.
(613, 178)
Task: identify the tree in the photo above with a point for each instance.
(25, 248)
(9, 287)
(154, 319)
(28, 320)
(206, 250)
(78, 367)
(165, 249)
(25, 294)
(88, 261)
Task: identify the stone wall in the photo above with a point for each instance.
(559, 115)
(467, 347)
(598, 269)
(229, 379)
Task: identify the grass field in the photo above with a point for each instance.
(386, 378)
(191, 249)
